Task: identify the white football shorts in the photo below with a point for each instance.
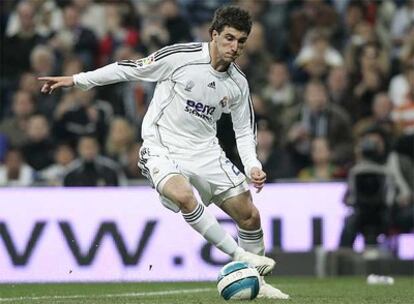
(214, 176)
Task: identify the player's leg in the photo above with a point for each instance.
(250, 235)
(214, 184)
(249, 231)
(350, 230)
(178, 190)
(176, 194)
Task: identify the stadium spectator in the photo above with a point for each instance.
(91, 15)
(81, 114)
(178, 28)
(63, 156)
(385, 12)
(310, 15)
(15, 127)
(118, 33)
(76, 39)
(46, 21)
(380, 191)
(322, 168)
(274, 18)
(256, 59)
(338, 85)
(66, 100)
(256, 9)
(28, 83)
(403, 117)
(15, 53)
(44, 103)
(15, 172)
(154, 34)
(380, 118)
(318, 117)
(317, 56)
(403, 114)
(406, 54)
(280, 93)
(362, 34)
(260, 108)
(17, 47)
(198, 12)
(353, 15)
(6, 9)
(121, 137)
(368, 80)
(38, 150)
(42, 61)
(402, 166)
(91, 169)
(276, 162)
(200, 31)
(401, 23)
(371, 192)
(399, 86)
(367, 55)
(130, 168)
(72, 64)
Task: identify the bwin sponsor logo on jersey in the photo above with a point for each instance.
(200, 110)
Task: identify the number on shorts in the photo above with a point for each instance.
(233, 167)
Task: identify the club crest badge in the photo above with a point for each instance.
(146, 61)
(224, 101)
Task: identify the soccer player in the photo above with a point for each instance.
(196, 83)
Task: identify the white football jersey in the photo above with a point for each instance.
(189, 98)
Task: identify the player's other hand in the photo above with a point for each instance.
(53, 83)
(258, 178)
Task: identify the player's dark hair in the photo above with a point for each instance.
(232, 16)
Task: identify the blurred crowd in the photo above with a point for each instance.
(323, 76)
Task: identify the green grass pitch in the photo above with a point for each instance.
(303, 290)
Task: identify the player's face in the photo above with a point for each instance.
(230, 43)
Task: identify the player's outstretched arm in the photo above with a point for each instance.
(53, 83)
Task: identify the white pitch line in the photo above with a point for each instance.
(114, 295)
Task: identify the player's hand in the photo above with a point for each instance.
(53, 83)
(258, 178)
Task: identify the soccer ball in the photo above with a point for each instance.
(238, 281)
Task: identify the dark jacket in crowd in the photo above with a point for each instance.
(333, 123)
(39, 155)
(76, 123)
(100, 172)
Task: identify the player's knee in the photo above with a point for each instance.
(185, 200)
(250, 220)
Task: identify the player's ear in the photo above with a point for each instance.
(214, 35)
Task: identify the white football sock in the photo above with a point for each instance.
(207, 225)
(251, 240)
